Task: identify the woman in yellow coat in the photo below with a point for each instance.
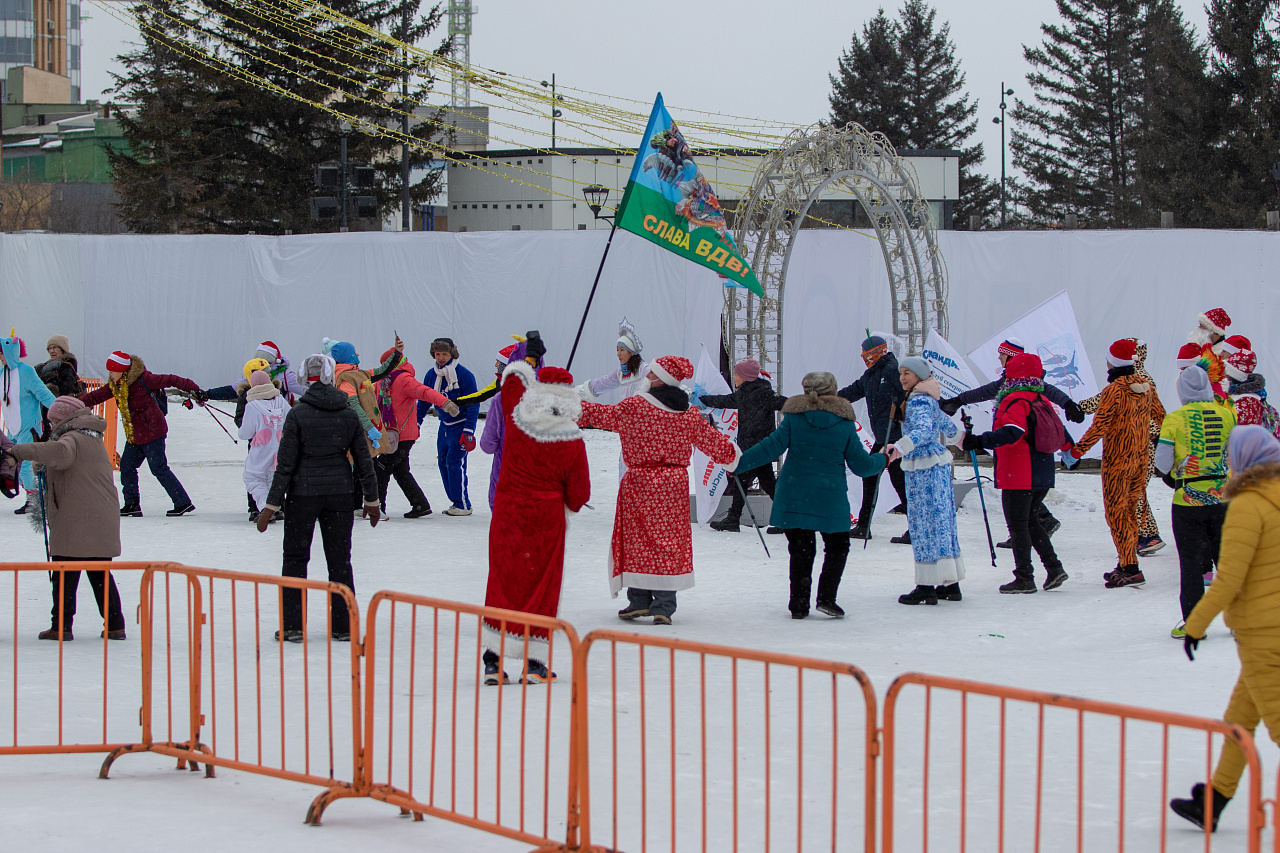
(1247, 588)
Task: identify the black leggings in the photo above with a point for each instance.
(803, 546)
(1026, 531)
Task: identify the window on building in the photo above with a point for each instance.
(539, 207)
(582, 227)
(539, 159)
(508, 207)
(517, 207)
(463, 228)
(517, 162)
(484, 206)
(515, 227)
(473, 207)
(455, 207)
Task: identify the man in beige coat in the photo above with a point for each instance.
(82, 508)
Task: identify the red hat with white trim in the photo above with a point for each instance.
(1236, 343)
(1240, 364)
(118, 362)
(1216, 320)
(1121, 353)
(504, 354)
(672, 369)
(1188, 355)
(270, 352)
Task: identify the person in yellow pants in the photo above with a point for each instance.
(1247, 588)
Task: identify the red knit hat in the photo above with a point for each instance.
(1216, 320)
(747, 370)
(1188, 355)
(1121, 353)
(1011, 347)
(118, 362)
(1024, 366)
(554, 375)
(672, 369)
(1240, 364)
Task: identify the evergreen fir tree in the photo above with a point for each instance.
(1076, 141)
(1245, 62)
(901, 77)
(228, 155)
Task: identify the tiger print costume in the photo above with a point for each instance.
(1147, 527)
(1123, 419)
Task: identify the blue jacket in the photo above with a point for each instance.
(819, 440)
(466, 385)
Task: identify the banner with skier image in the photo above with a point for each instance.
(711, 481)
(1050, 331)
(668, 201)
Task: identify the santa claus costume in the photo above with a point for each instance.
(1210, 334)
(544, 478)
(652, 549)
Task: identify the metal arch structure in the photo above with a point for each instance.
(811, 163)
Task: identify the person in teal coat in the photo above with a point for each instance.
(820, 437)
(22, 393)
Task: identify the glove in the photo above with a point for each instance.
(971, 442)
(374, 435)
(535, 349)
(1075, 453)
(468, 441)
(451, 409)
(696, 401)
(1075, 414)
(1189, 645)
(372, 513)
(264, 518)
(200, 396)
(949, 407)
(1070, 459)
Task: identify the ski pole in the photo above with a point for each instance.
(44, 519)
(751, 513)
(973, 457)
(219, 423)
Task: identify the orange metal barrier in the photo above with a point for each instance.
(723, 748)
(437, 741)
(107, 411)
(66, 697)
(291, 711)
(985, 778)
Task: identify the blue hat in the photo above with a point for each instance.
(344, 353)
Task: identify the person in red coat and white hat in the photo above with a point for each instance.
(544, 478)
(652, 549)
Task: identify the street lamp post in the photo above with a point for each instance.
(596, 197)
(405, 218)
(1000, 121)
(555, 112)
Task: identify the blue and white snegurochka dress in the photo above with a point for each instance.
(931, 508)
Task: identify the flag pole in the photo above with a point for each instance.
(592, 295)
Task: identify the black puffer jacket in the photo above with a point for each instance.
(319, 432)
(881, 387)
(756, 403)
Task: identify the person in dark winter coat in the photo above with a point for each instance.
(881, 387)
(456, 436)
(820, 437)
(1024, 475)
(82, 510)
(757, 403)
(314, 477)
(145, 428)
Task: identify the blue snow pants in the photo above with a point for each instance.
(453, 464)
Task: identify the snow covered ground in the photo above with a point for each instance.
(1082, 639)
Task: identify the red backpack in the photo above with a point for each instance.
(1045, 430)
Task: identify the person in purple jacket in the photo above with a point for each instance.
(491, 438)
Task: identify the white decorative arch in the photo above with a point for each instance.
(817, 160)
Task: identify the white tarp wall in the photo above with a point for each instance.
(197, 305)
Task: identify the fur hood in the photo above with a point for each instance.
(546, 412)
(838, 406)
(1264, 478)
(136, 369)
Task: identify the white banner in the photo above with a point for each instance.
(954, 376)
(711, 481)
(1050, 331)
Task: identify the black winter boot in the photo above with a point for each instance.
(131, 510)
(729, 525)
(1019, 584)
(920, 595)
(1057, 577)
(861, 531)
(801, 586)
(949, 592)
(1193, 809)
(904, 539)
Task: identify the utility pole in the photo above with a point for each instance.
(342, 185)
(555, 109)
(405, 217)
(1000, 121)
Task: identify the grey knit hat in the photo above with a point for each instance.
(917, 365)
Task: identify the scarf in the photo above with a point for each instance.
(1022, 383)
(1114, 373)
(929, 387)
(120, 390)
(447, 377)
(1253, 385)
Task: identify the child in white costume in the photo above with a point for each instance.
(263, 426)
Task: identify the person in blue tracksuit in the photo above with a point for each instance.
(457, 434)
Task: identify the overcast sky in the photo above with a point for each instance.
(745, 57)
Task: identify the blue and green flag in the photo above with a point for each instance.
(668, 201)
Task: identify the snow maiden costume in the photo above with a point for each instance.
(545, 477)
(21, 394)
(652, 548)
(931, 503)
(628, 375)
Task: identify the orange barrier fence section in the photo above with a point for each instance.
(439, 741)
(1002, 768)
(291, 710)
(59, 694)
(723, 748)
(106, 411)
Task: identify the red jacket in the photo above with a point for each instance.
(406, 391)
(146, 419)
(1018, 464)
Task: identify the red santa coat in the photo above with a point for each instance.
(544, 473)
(652, 547)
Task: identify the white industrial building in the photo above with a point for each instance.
(541, 190)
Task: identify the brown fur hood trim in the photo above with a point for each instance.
(1259, 477)
(136, 369)
(838, 406)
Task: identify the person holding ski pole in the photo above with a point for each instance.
(881, 387)
(1023, 427)
(820, 437)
